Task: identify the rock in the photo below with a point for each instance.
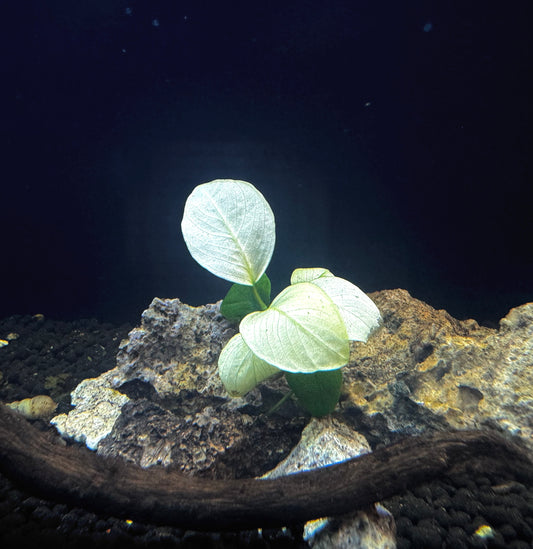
(426, 370)
(175, 349)
(148, 434)
(373, 528)
(326, 441)
(96, 409)
(165, 404)
(422, 370)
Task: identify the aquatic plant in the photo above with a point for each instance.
(229, 229)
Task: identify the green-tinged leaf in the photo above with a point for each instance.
(229, 230)
(301, 331)
(308, 275)
(239, 369)
(319, 392)
(360, 314)
(241, 300)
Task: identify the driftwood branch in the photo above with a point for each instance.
(38, 463)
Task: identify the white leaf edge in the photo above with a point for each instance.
(239, 369)
(360, 314)
(309, 274)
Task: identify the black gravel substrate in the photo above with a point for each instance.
(44, 356)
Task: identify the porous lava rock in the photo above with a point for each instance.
(424, 369)
(170, 406)
(421, 370)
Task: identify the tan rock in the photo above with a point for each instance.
(424, 369)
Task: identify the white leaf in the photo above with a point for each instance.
(301, 331)
(229, 230)
(239, 369)
(359, 312)
(308, 275)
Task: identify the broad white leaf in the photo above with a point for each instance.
(239, 369)
(229, 230)
(359, 312)
(301, 331)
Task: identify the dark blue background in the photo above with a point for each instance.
(392, 140)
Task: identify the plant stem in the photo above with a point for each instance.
(260, 302)
(279, 403)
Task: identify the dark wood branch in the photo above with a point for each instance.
(38, 463)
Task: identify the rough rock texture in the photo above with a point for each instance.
(372, 528)
(175, 349)
(326, 441)
(97, 408)
(424, 369)
(421, 370)
(164, 402)
(148, 434)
